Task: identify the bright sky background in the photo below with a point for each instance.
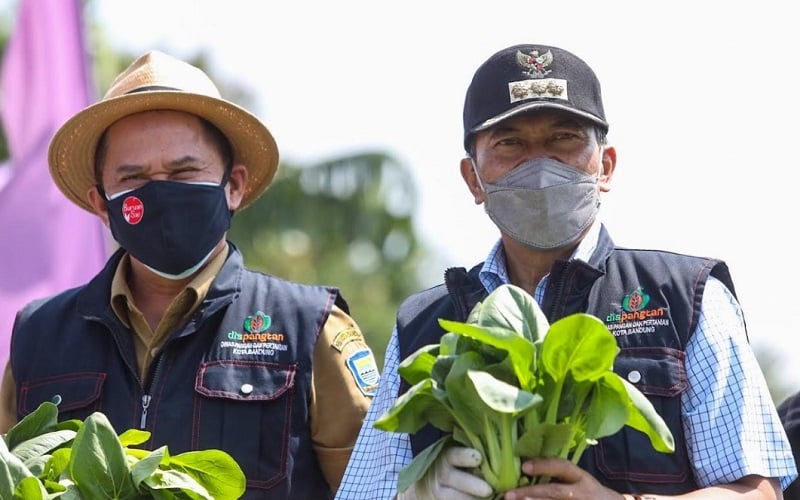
(702, 98)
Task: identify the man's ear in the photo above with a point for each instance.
(471, 178)
(98, 203)
(609, 162)
(237, 183)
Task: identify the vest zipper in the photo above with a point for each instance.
(146, 397)
(145, 405)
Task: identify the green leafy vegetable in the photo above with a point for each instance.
(511, 385)
(41, 458)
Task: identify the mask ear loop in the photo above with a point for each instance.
(226, 175)
(600, 168)
(475, 169)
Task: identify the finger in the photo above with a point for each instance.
(559, 469)
(461, 456)
(459, 480)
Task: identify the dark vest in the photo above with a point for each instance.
(650, 300)
(235, 377)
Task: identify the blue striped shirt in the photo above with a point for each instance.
(731, 426)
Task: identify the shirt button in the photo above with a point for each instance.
(634, 376)
(246, 388)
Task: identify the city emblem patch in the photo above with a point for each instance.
(365, 371)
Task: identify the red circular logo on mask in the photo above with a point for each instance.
(132, 210)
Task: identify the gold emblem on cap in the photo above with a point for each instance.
(528, 89)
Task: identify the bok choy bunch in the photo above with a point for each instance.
(42, 458)
(510, 385)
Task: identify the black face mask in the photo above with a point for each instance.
(171, 227)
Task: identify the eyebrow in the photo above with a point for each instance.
(187, 159)
(128, 168)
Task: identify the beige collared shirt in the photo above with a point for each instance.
(338, 404)
(147, 340)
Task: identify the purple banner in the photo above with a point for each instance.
(47, 244)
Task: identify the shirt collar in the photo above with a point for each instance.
(122, 298)
(494, 271)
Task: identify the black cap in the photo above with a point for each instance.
(526, 77)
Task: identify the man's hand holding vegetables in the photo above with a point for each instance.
(538, 159)
(448, 479)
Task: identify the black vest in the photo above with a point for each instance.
(650, 300)
(235, 377)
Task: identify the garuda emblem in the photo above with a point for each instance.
(534, 65)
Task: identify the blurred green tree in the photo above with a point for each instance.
(345, 222)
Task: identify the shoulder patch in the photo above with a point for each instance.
(364, 369)
(345, 337)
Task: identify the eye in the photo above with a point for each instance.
(508, 141)
(184, 173)
(126, 183)
(567, 136)
(568, 141)
(133, 178)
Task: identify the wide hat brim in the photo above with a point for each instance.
(72, 150)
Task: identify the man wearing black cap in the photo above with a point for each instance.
(537, 159)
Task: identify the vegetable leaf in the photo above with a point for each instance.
(221, 475)
(97, 465)
(44, 419)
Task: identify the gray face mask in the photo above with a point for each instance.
(543, 204)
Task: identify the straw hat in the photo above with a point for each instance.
(157, 81)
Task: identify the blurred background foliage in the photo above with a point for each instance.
(345, 221)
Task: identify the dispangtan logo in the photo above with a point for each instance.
(636, 300)
(257, 323)
(634, 308)
(255, 340)
(255, 330)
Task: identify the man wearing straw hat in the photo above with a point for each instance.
(175, 336)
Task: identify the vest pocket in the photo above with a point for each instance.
(245, 407)
(77, 395)
(628, 457)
